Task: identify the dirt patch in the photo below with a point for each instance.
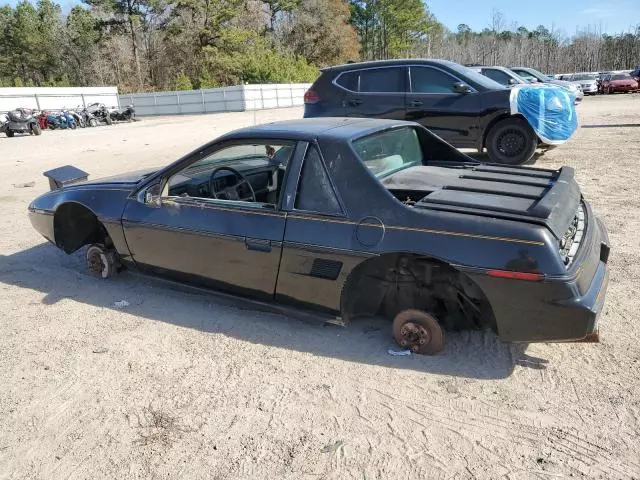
(183, 385)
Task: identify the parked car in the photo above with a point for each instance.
(349, 217)
(588, 82)
(463, 107)
(534, 76)
(17, 121)
(619, 82)
(503, 76)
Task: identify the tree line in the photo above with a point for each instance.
(144, 45)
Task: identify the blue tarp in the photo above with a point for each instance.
(549, 109)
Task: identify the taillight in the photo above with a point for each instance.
(311, 97)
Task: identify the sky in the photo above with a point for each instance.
(607, 16)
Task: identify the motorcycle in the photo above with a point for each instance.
(100, 112)
(79, 119)
(42, 120)
(17, 121)
(60, 121)
(88, 118)
(71, 120)
(127, 114)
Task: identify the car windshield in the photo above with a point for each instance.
(620, 76)
(584, 76)
(389, 151)
(539, 75)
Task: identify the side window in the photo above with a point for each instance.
(382, 80)
(246, 172)
(430, 80)
(348, 80)
(500, 77)
(315, 192)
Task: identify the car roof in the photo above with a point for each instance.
(311, 128)
(494, 67)
(387, 63)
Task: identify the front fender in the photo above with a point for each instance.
(107, 204)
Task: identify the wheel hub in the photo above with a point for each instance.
(511, 143)
(95, 263)
(413, 336)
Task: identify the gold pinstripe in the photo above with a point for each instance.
(428, 230)
(388, 227)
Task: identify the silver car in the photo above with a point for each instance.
(502, 75)
(588, 81)
(534, 76)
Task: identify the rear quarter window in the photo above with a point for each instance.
(389, 151)
(348, 80)
(315, 192)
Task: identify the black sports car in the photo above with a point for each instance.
(351, 217)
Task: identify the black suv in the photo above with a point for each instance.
(465, 108)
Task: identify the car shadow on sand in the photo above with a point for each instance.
(58, 276)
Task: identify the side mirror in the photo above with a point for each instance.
(460, 87)
(513, 81)
(533, 80)
(152, 195)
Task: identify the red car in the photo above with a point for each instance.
(619, 82)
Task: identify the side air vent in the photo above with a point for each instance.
(328, 269)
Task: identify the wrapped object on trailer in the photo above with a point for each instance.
(549, 109)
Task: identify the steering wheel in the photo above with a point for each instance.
(232, 192)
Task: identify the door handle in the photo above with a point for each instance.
(416, 103)
(355, 102)
(258, 245)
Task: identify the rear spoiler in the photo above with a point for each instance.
(62, 176)
(560, 203)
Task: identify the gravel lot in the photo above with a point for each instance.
(186, 385)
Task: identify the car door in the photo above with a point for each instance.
(432, 100)
(226, 244)
(374, 92)
(316, 256)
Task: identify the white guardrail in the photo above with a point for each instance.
(211, 100)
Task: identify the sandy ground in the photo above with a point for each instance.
(185, 385)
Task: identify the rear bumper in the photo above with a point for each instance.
(558, 309)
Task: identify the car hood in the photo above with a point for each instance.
(563, 83)
(132, 178)
(548, 197)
